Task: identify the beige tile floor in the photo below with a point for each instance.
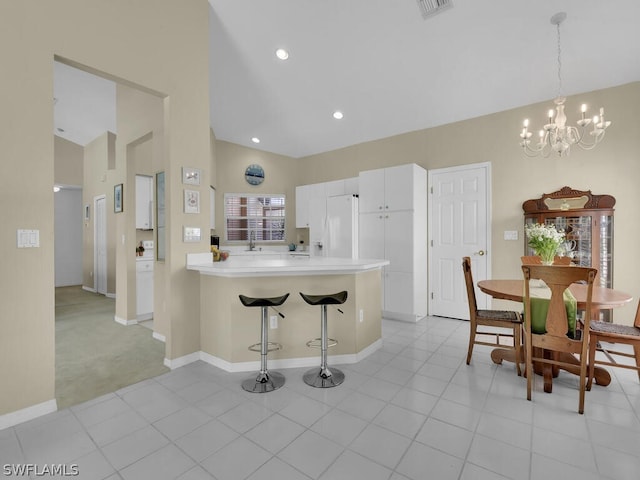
(412, 410)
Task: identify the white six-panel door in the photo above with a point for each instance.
(459, 225)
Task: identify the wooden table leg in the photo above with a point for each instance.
(601, 376)
(500, 354)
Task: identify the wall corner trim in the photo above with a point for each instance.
(124, 322)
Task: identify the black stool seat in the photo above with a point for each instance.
(330, 299)
(263, 302)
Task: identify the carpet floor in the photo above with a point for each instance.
(96, 355)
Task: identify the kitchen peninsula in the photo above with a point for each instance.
(227, 328)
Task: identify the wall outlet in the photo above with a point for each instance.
(511, 235)
(361, 315)
(273, 321)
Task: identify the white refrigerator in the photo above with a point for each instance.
(340, 229)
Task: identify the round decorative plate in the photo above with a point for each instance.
(254, 174)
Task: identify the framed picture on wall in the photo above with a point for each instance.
(191, 201)
(117, 198)
(191, 176)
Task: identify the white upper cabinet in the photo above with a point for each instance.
(371, 191)
(388, 189)
(334, 188)
(144, 202)
(310, 198)
(400, 184)
(302, 206)
(304, 194)
(351, 186)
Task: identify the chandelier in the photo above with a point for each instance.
(556, 135)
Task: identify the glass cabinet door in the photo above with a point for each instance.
(605, 234)
(578, 238)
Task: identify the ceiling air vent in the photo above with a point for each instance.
(431, 7)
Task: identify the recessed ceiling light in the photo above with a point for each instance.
(282, 54)
(338, 115)
(56, 188)
(255, 140)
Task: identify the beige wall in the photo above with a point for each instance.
(160, 45)
(280, 177)
(611, 168)
(68, 163)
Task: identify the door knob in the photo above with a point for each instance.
(481, 253)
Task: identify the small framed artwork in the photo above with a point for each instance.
(191, 201)
(87, 213)
(117, 198)
(191, 176)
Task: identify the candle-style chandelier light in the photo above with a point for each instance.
(556, 135)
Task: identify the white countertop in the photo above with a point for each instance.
(240, 266)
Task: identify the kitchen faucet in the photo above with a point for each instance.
(252, 240)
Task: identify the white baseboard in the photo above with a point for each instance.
(110, 295)
(145, 316)
(89, 289)
(275, 363)
(19, 416)
(402, 317)
(182, 361)
(160, 337)
(125, 322)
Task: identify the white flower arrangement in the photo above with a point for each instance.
(544, 239)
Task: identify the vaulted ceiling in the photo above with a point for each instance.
(391, 71)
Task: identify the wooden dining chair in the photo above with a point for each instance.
(535, 260)
(550, 345)
(503, 319)
(614, 333)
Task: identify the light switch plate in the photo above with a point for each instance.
(511, 235)
(28, 238)
(191, 234)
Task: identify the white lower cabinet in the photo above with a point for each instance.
(144, 289)
(399, 296)
(391, 236)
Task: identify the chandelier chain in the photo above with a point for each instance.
(559, 63)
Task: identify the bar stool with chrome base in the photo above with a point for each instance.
(265, 381)
(324, 377)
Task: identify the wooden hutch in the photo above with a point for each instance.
(587, 221)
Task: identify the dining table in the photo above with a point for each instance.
(602, 298)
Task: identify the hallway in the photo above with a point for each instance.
(96, 355)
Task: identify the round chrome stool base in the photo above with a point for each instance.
(323, 378)
(264, 382)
